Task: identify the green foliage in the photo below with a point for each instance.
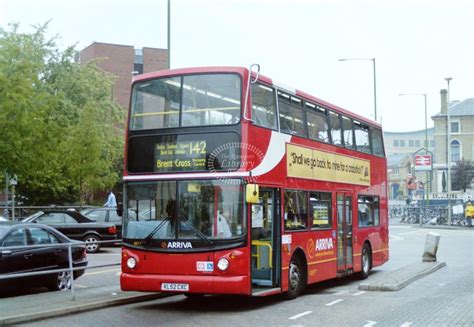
(462, 175)
(61, 131)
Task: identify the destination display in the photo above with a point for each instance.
(182, 155)
(184, 152)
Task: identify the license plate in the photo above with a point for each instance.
(174, 287)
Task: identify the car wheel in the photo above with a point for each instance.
(92, 243)
(365, 262)
(295, 279)
(61, 282)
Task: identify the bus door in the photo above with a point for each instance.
(344, 231)
(266, 260)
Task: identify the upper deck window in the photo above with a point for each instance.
(263, 106)
(335, 124)
(377, 141)
(292, 120)
(318, 128)
(190, 100)
(362, 137)
(348, 132)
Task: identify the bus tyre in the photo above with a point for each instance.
(365, 262)
(92, 243)
(295, 278)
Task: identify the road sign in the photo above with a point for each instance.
(423, 162)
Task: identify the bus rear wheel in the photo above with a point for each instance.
(295, 279)
(365, 262)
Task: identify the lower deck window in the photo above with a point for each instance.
(320, 209)
(368, 211)
(296, 212)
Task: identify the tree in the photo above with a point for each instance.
(61, 130)
(462, 175)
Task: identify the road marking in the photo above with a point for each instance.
(358, 293)
(300, 315)
(334, 302)
(406, 324)
(101, 272)
(442, 284)
(370, 323)
(396, 238)
(80, 286)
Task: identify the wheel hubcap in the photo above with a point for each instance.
(91, 244)
(295, 276)
(64, 280)
(365, 261)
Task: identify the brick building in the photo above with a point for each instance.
(123, 61)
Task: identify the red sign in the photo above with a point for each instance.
(422, 162)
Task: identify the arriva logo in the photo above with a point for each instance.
(324, 244)
(180, 245)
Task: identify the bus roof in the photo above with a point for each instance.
(262, 78)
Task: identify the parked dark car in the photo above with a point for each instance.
(21, 252)
(105, 214)
(76, 226)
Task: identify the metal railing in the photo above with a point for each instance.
(7, 250)
(429, 215)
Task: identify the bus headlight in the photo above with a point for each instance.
(223, 264)
(131, 263)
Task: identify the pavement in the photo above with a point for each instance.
(32, 307)
(397, 279)
(27, 308)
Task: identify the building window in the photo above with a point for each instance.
(138, 63)
(396, 143)
(402, 142)
(411, 143)
(368, 211)
(417, 143)
(455, 128)
(455, 151)
(432, 143)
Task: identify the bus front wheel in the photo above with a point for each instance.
(295, 278)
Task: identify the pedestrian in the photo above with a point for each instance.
(111, 200)
(469, 213)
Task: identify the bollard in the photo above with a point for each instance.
(431, 247)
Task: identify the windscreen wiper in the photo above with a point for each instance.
(156, 229)
(195, 230)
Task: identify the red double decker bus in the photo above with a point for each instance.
(241, 185)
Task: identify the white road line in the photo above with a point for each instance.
(100, 272)
(300, 315)
(406, 324)
(358, 293)
(334, 302)
(80, 286)
(370, 323)
(396, 238)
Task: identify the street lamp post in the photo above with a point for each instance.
(375, 82)
(169, 34)
(448, 145)
(426, 141)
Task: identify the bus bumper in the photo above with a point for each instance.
(197, 284)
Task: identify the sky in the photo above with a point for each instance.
(416, 44)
